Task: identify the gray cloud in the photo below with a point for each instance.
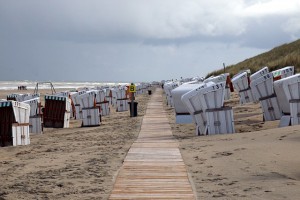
(137, 40)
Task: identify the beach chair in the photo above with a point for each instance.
(168, 87)
(291, 87)
(283, 72)
(121, 100)
(75, 99)
(87, 100)
(90, 112)
(108, 95)
(191, 100)
(182, 115)
(56, 112)
(219, 118)
(263, 90)
(114, 92)
(35, 118)
(102, 103)
(263, 71)
(241, 84)
(287, 91)
(14, 123)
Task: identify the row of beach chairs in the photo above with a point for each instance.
(202, 101)
(23, 114)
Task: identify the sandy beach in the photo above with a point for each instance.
(70, 163)
(260, 161)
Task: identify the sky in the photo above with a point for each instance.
(137, 40)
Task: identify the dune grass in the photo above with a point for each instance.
(281, 56)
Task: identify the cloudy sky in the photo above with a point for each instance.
(137, 40)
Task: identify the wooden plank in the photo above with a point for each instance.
(153, 167)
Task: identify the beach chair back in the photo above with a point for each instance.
(34, 106)
(212, 96)
(263, 71)
(283, 72)
(87, 100)
(262, 87)
(240, 82)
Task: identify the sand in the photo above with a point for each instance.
(261, 161)
(261, 164)
(70, 163)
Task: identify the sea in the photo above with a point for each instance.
(13, 85)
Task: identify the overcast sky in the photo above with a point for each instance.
(137, 40)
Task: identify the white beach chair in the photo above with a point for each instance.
(182, 114)
(291, 87)
(75, 99)
(263, 90)
(35, 119)
(168, 87)
(102, 103)
(241, 84)
(219, 118)
(121, 100)
(283, 72)
(191, 100)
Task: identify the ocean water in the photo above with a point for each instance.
(13, 85)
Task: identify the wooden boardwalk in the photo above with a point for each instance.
(153, 167)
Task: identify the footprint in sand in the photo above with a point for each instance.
(221, 154)
(239, 149)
